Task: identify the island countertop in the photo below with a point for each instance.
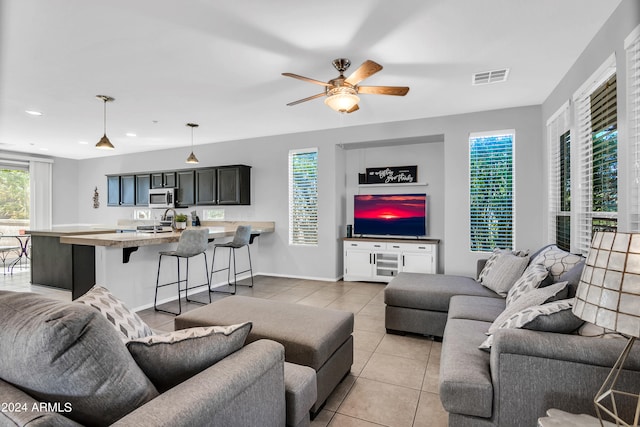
(136, 239)
(72, 230)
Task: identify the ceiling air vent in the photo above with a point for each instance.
(486, 77)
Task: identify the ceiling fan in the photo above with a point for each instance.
(342, 92)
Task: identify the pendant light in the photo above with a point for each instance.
(192, 157)
(104, 143)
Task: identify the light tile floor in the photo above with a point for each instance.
(393, 380)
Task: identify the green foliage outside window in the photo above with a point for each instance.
(14, 194)
(491, 192)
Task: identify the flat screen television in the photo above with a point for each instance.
(390, 214)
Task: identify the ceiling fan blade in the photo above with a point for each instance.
(354, 108)
(384, 90)
(299, 101)
(306, 79)
(368, 68)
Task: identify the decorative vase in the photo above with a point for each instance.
(181, 225)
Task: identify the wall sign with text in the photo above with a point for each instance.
(392, 175)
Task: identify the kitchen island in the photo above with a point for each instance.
(63, 266)
(126, 262)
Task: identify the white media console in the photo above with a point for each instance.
(380, 260)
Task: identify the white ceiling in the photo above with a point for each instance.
(219, 64)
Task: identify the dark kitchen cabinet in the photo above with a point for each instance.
(206, 193)
(222, 185)
(186, 188)
(234, 185)
(127, 190)
(113, 191)
(163, 180)
(143, 183)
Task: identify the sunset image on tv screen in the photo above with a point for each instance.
(390, 214)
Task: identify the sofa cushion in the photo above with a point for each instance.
(556, 260)
(506, 270)
(465, 374)
(485, 309)
(555, 317)
(572, 277)
(538, 296)
(171, 358)
(68, 353)
(125, 321)
(532, 277)
(431, 291)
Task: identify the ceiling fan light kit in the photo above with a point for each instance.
(104, 143)
(342, 99)
(342, 92)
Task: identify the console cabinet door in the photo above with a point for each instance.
(358, 264)
(417, 262)
(206, 193)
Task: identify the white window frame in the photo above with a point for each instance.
(582, 209)
(632, 51)
(557, 125)
(512, 134)
(309, 225)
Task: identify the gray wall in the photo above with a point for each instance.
(609, 40)
(448, 187)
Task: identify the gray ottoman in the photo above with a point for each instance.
(316, 337)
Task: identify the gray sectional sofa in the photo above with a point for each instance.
(64, 364)
(524, 373)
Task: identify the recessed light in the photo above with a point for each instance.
(131, 134)
(33, 112)
(44, 149)
(83, 142)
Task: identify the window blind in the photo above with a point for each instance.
(632, 50)
(491, 184)
(559, 193)
(596, 136)
(303, 197)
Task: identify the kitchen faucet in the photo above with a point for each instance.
(173, 219)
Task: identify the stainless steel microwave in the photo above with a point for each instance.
(162, 198)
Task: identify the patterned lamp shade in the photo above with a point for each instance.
(609, 291)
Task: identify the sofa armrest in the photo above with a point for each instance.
(245, 388)
(533, 371)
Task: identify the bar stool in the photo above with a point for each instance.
(241, 238)
(191, 243)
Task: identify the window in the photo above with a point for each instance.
(303, 197)
(491, 186)
(559, 149)
(632, 48)
(597, 140)
(14, 198)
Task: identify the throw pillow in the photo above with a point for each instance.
(556, 260)
(534, 297)
(124, 320)
(504, 272)
(532, 277)
(67, 353)
(169, 359)
(550, 317)
(492, 259)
